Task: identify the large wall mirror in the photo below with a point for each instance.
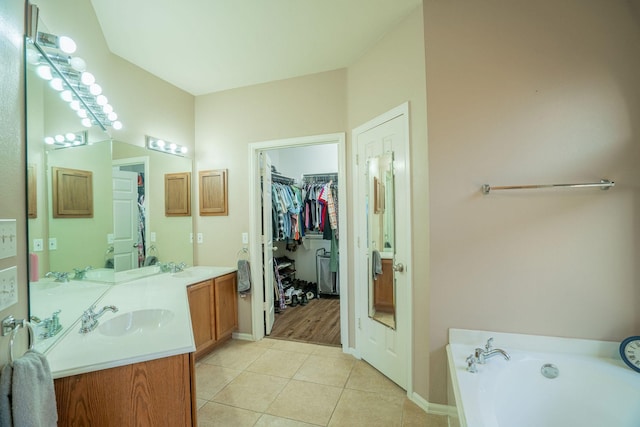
(111, 193)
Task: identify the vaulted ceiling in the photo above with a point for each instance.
(204, 46)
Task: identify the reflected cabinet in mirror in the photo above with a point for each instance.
(96, 211)
(381, 238)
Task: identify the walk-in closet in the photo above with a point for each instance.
(306, 231)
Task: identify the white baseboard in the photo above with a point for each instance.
(241, 336)
(434, 408)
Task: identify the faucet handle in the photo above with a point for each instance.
(471, 364)
(489, 344)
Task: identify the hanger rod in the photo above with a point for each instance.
(604, 184)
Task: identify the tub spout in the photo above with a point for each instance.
(488, 352)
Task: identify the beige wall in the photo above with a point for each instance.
(226, 122)
(526, 92)
(389, 74)
(12, 160)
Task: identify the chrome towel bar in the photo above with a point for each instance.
(11, 325)
(604, 184)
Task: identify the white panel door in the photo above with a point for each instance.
(267, 244)
(125, 220)
(387, 349)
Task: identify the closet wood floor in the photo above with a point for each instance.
(318, 322)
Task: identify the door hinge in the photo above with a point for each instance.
(357, 159)
(264, 306)
(359, 323)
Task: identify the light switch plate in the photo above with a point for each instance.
(8, 287)
(152, 236)
(245, 238)
(200, 238)
(8, 238)
(53, 243)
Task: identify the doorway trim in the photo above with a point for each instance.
(255, 216)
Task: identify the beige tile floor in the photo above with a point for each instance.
(283, 383)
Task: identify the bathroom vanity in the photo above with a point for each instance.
(137, 367)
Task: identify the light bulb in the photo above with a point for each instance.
(107, 108)
(183, 150)
(160, 143)
(82, 113)
(59, 138)
(86, 122)
(87, 78)
(117, 125)
(173, 146)
(66, 95)
(70, 136)
(44, 72)
(112, 116)
(101, 100)
(78, 64)
(95, 89)
(49, 140)
(77, 142)
(56, 84)
(66, 44)
(75, 105)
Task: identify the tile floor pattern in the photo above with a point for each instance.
(283, 383)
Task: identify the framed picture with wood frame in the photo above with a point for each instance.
(177, 194)
(72, 193)
(213, 193)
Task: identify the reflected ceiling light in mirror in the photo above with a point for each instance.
(50, 55)
(163, 146)
(70, 139)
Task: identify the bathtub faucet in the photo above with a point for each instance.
(488, 352)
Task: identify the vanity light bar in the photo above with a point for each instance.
(68, 75)
(70, 139)
(165, 146)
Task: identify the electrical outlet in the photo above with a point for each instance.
(245, 238)
(152, 236)
(38, 245)
(53, 243)
(200, 238)
(8, 287)
(8, 238)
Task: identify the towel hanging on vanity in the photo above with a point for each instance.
(244, 276)
(27, 395)
(376, 264)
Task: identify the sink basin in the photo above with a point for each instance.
(138, 321)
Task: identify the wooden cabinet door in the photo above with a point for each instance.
(226, 305)
(202, 315)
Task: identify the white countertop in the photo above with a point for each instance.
(77, 353)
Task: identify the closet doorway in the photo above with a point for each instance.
(307, 256)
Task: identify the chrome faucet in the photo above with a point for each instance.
(59, 276)
(480, 356)
(488, 352)
(90, 318)
(81, 273)
(172, 267)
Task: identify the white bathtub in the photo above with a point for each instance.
(594, 388)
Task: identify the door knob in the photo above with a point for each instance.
(135, 245)
(399, 267)
(275, 248)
